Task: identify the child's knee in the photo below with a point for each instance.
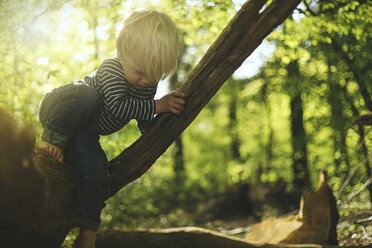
(88, 96)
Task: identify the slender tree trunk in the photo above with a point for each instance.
(44, 222)
(233, 120)
(362, 139)
(270, 139)
(366, 162)
(301, 177)
(178, 156)
(339, 128)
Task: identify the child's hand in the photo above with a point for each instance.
(173, 102)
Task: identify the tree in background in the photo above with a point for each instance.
(332, 75)
(301, 177)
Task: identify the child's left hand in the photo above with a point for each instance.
(172, 102)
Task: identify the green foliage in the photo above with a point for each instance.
(45, 44)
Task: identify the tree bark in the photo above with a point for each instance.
(42, 220)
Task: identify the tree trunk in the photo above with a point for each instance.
(42, 220)
(339, 128)
(362, 137)
(361, 80)
(233, 121)
(178, 155)
(265, 166)
(301, 177)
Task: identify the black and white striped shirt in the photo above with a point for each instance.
(120, 101)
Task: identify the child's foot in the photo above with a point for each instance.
(86, 239)
(53, 150)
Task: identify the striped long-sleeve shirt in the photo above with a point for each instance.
(120, 101)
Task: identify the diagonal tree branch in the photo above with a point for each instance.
(239, 39)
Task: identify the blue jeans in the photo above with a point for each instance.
(66, 115)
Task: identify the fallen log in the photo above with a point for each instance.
(184, 237)
(316, 222)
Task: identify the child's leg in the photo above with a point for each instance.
(90, 168)
(86, 239)
(62, 112)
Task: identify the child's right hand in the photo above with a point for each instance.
(172, 102)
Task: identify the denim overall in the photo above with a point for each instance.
(66, 114)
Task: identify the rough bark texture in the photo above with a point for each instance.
(37, 192)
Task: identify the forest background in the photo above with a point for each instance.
(284, 115)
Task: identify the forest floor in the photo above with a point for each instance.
(354, 227)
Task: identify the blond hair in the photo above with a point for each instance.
(148, 41)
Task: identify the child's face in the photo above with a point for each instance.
(137, 78)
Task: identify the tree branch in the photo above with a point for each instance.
(238, 40)
(309, 9)
(365, 185)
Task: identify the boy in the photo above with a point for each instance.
(123, 88)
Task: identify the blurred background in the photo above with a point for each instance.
(259, 144)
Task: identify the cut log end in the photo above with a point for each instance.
(316, 222)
